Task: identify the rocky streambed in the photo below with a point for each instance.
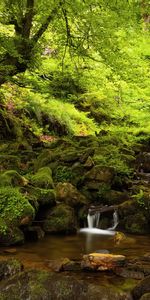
(98, 276)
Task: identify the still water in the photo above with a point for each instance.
(73, 247)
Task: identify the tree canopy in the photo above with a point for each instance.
(83, 26)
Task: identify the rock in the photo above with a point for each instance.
(89, 163)
(129, 273)
(34, 233)
(121, 238)
(68, 194)
(10, 250)
(100, 174)
(142, 288)
(58, 264)
(43, 178)
(60, 219)
(145, 297)
(101, 261)
(72, 266)
(9, 268)
(48, 285)
(15, 211)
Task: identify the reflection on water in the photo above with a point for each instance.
(73, 247)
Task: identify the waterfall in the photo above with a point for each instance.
(115, 221)
(94, 218)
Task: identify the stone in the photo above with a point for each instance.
(58, 265)
(10, 250)
(56, 286)
(9, 268)
(60, 219)
(100, 174)
(145, 297)
(142, 288)
(102, 261)
(68, 194)
(34, 233)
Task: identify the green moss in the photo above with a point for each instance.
(42, 196)
(60, 219)
(12, 178)
(13, 205)
(43, 178)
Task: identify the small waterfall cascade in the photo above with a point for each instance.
(93, 219)
(115, 221)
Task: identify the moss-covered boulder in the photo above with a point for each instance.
(134, 216)
(12, 178)
(9, 268)
(60, 219)
(49, 285)
(44, 159)
(41, 196)
(68, 194)
(43, 178)
(98, 175)
(15, 210)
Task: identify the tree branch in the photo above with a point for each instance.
(44, 26)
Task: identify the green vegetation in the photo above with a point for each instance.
(74, 105)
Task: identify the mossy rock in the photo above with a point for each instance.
(10, 234)
(100, 174)
(44, 159)
(41, 284)
(60, 219)
(9, 268)
(15, 210)
(68, 194)
(8, 161)
(42, 196)
(43, 178)
(12, 178)
(137, 223)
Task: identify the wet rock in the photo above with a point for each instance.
(142, 288)
(145, 297)
(9, 268)
(34, 233)
(68, 194)
(10, 250)
(101, 261)
(44, 285)
(60, 219)
(58, 265)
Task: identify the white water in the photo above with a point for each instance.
(115, 221)
(93, 224)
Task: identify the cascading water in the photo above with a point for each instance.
(93, 220)
(115, 221)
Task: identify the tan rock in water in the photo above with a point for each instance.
(121, 238)
(101, 261)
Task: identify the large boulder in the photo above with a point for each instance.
(60, 219)
(44, 285)
(134, 216)
(68, 194)
(43, 178)
(98, 175)
(15, 210)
